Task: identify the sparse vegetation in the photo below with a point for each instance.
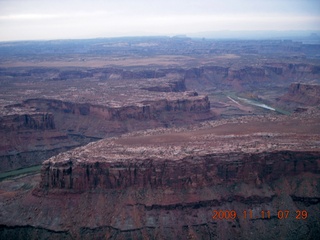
(20, 172)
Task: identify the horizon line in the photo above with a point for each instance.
(195, 35)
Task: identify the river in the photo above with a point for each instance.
(256, 103)
(251, 102)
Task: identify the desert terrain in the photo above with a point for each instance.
(154, 137)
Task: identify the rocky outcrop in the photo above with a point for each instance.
(305, 94)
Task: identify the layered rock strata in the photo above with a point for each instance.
(167, 183)
(28, 138)
(250, 78)
(139, 111)
(48, 122)
(303, 94)
(196, 158)
(192, 171)
(28, 120)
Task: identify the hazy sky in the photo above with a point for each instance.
(56, 19)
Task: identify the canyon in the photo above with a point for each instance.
(164, 184)
(91, 111)
(155, 138)
(304, 94)
(100, 96)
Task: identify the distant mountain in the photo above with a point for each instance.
(225, 34)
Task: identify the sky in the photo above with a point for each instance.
(70, 19)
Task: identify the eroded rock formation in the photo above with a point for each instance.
(190, 172)
(36, 121)
(167, 183)
(77, 113)
(141, 111)
(246, 77)
(304, 94)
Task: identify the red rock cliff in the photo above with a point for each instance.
(139, 111)
(189, 159)
(306, 94)
(39, 121)
(168, 184)
(190, 172)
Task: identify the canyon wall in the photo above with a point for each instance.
(30, 138)
(15, 122)
(304, 94)
(37, 128)
(140, 111)
(168, 183)
(240, 78)
(213, 75)
(191, 172)
(103, 120)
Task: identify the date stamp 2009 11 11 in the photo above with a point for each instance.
(249, 214)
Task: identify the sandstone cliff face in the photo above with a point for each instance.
(183, 160)
(30, 138)
(40, 121)
(104, 121)
(305, 94)
(253, 76)
(140, 111)
(47, 120)
(168, 183)
(19, 131)
(248, 73)
(191, 172)
(100, 73)
(165, 213)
